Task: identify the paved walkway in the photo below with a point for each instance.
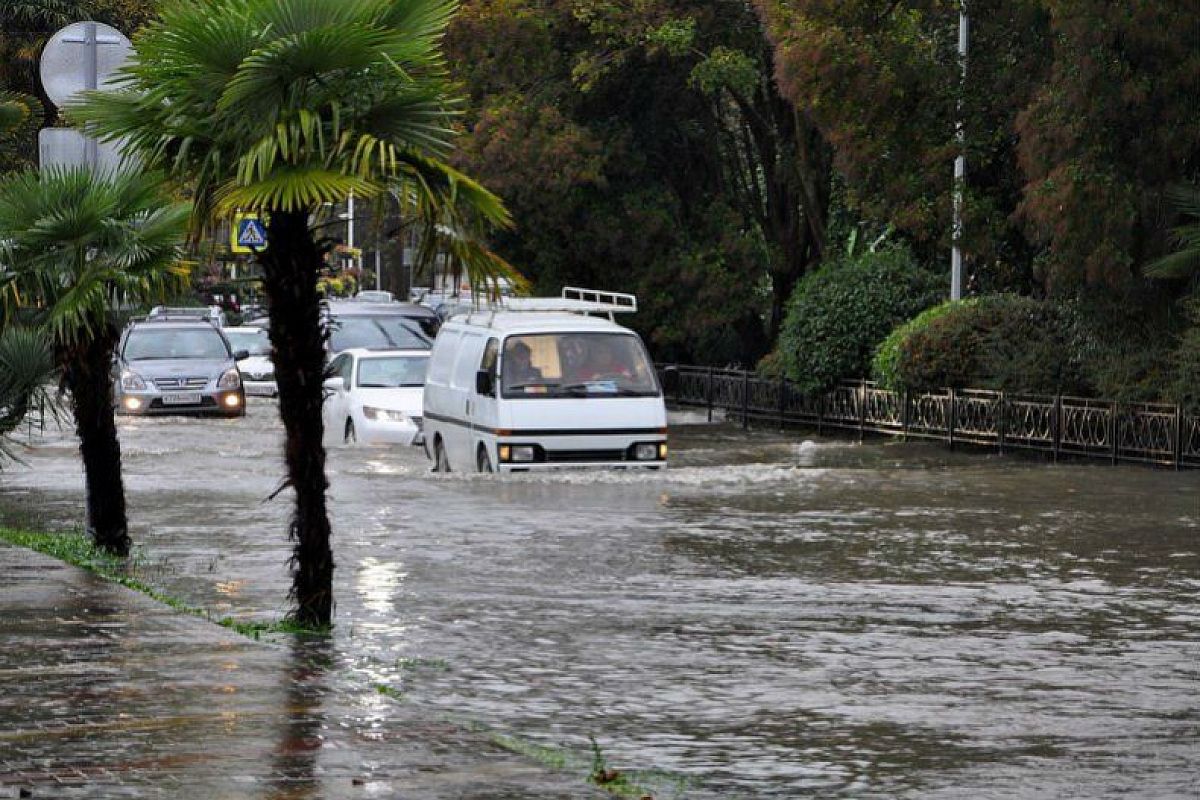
(107, 693)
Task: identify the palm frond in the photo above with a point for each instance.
(79, 246)
(293, 189)
(26, 367)
(1185, 261)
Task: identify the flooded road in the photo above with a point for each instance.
(773, 616)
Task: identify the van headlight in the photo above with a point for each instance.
(384, 414)
(132, 382)
(518, 453)
(645, 452)
(230, 379)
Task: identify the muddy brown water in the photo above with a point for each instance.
(773, 616)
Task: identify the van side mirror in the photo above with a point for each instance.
(670, 380)
(484, 383)
(240, 355)
(335, 383)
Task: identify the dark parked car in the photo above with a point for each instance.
(379, 326)
(177, 366)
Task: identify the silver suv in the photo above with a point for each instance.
(174, 366)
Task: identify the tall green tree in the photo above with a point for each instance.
(78, 249)
(281, 106)
(644, 146)
(1078, 115)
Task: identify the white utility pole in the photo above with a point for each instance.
(350, 227)
(960, 162)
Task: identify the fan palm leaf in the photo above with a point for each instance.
(1185, 261)
(26, 367)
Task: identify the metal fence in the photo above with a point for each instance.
(1150, 433)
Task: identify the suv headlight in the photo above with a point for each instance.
(384, 414)
(230, 379)
(131, 381)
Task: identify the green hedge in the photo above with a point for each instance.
(837, 315)
(1003, 342)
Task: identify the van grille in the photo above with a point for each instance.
(583, 456)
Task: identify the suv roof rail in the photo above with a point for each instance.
(178, 318)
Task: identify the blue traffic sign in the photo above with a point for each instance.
(251, 233)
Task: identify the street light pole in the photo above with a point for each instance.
(350, 226)
(960, 162)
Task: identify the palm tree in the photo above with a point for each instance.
(281, 106)
(79, 248)
(1185, 260)
(26, 365)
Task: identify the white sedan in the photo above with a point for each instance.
(374, 396)
(258, 371)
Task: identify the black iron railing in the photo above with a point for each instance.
(1151, 433)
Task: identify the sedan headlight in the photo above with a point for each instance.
(230, 379)
(384, 414)
(132, 382)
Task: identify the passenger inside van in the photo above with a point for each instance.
(602, 362)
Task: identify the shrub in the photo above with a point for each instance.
(1003, 342)
(1185, 384)
(837, 315)
(1125, 342)
(886, 363)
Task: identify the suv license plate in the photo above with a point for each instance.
(182, 398)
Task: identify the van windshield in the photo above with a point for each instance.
(576, 365)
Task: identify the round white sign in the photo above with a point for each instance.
(83, 55)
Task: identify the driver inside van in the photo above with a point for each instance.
(518, 365)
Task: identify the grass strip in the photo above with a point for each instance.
(78, 550)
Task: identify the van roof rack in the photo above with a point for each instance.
(576, 300)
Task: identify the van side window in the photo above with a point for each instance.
(490, 353)
(347, 370)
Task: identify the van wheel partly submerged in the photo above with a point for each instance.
(483, 461)
(440, 462)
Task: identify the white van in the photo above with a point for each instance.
(541, 384)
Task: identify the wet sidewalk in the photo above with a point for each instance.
(107, 693)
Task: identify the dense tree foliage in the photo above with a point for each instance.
(1077, 116)
(644, 146)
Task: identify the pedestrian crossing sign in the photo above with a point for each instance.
(249, 234)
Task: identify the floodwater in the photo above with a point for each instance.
(773, 616)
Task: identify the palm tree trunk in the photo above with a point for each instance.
(290, 265)
(89, 377)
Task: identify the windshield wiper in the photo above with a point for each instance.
(586, 388)
(546, 384)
